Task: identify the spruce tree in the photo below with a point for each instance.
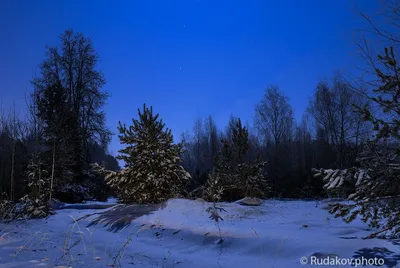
(57, 138)
(233, 176)
(152, 170)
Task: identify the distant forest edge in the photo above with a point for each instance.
(64, 132)
(346, 145)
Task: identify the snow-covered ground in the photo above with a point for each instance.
(277, 234)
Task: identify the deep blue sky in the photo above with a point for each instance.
(187, 58)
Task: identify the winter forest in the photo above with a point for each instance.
(340, 162)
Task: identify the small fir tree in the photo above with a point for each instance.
(36, 202)
(152, 170)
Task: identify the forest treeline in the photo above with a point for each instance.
(330, 135)
(64, 132)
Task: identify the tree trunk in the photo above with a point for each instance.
(14, 137)
(52, 169)
(12, 172)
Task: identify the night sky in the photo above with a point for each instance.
(188, 58)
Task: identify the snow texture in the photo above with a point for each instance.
(180, 234)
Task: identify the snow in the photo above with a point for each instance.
(110, 201)
(336, 181)
(276, 234)
(335, 178)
